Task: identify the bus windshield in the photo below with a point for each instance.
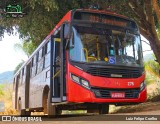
(107, 46)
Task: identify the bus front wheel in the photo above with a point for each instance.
(50, 109)
(103, 108)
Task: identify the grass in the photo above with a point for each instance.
(155, 96)
(6, 97)
(153, 100)
(148, 106)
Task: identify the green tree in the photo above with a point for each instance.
(1, 89)
(26, 47)
(153, 67)
(42, 16)
(18, 66)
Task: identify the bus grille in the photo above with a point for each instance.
(114, 73)
(106, 93)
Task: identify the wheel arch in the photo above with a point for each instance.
(45, 93)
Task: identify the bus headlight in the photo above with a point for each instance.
(75, 78)
(80, 81)
(85, 83)
(142, 86)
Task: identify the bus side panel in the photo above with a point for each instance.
(21, 95)
(40, 76)
(37, 85)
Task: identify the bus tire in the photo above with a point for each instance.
(92, 111)
(103, 109)
(21, 111)
(51, 109)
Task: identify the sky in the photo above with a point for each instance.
(145, 46)
(10, 57)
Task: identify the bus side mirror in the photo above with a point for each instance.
(68, 36)
(70, 43)
(66, 29)
(72, 40)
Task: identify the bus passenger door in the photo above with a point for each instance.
(58, 81)
(55, 80)
(64, 36)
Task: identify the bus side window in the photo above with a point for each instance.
(24, 74)
(40, 55)
(35, 59)
(40, 62)
(47, 54)
(20, 78)
(48, 46)
(43, 51)
(43, 56)
(31, 72)
(34, 65)
(25, 70)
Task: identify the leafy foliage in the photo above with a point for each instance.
(1, 89)
(42, 16)
(27, 47)
(18, 66)
(153, 67)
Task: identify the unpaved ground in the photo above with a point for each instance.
(150, 108)
(143, 107)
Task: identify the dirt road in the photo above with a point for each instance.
(150, 111)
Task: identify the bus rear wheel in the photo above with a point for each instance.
(22, 111)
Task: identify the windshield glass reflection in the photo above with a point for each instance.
(97, 45)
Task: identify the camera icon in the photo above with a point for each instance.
(6, 118)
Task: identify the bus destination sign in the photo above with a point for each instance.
(103, 18)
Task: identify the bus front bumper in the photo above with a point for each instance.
(80, 94)
(141, 98)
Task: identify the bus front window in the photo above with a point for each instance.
(97, 45)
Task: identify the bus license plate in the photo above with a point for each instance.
(118, 95)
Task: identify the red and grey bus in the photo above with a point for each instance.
(91, 59)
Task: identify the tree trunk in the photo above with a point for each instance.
(146, 24)
(155, 45)
(151, 33)
(156, 8)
